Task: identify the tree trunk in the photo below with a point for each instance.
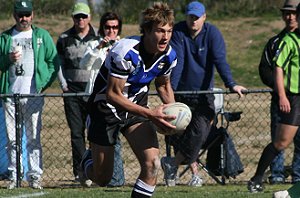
(91, 4)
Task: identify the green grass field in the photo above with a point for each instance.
(214, 191)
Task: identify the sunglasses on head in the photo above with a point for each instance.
(80, 16)
(26, 14)
(114, 27)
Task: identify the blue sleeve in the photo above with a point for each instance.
(218, 50)
(177, 45)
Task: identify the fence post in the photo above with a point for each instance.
(18, 123)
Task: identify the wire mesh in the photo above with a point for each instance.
(250, 135)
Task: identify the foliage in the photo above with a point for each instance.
(242, 7)
(53, 7)
(130, 9)
(40, 6)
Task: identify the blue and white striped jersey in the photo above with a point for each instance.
(125, 61)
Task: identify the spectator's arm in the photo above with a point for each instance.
(62, 81)
(52, 59)
(218, 52)
(60, 50)
(93, 57)
(284, 104)
(177, 45)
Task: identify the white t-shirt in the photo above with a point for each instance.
(21, 73)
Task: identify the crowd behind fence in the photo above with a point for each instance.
(250, 135)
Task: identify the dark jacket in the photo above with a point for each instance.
(198, 57)
(71, 49)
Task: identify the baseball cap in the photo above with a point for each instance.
(23, 6)
(290, 5)
(195, 8)
(81, 8)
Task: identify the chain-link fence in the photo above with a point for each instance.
(250, 135)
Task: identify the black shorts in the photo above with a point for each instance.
(104, 128)
(293, 117)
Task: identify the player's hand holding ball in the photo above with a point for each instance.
(183, 118)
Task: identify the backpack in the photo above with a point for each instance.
(267, 64)
(232, 163)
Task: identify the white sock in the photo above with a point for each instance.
(143, 188)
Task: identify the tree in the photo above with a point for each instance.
(130, 9)
(91, 4)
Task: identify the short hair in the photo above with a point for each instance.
(106, 17)
(158, 13)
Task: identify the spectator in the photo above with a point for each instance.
(94, 56)
(71, 46)
(199, 47)
(96, 52)
(266, 68)
(29, 64)
(286, 85)
(119, 101)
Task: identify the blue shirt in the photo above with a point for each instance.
(198, 57)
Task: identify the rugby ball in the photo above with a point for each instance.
(183, 117)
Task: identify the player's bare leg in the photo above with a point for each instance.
(143, 141)
(101, 170)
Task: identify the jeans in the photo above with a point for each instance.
(118, 178)
(277, 165)
(31, 110)
(196, 133)
(296, 159)
(76, 113)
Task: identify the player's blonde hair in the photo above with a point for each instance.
(158, 13)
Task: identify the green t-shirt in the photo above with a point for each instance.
(287, 57)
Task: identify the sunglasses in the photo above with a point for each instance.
(80, 16)
(108, 27)
(21, 15)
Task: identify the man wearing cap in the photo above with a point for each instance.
(199, 47)
(266, 68)
(71, 46)
(29, 64)
(283, 52)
